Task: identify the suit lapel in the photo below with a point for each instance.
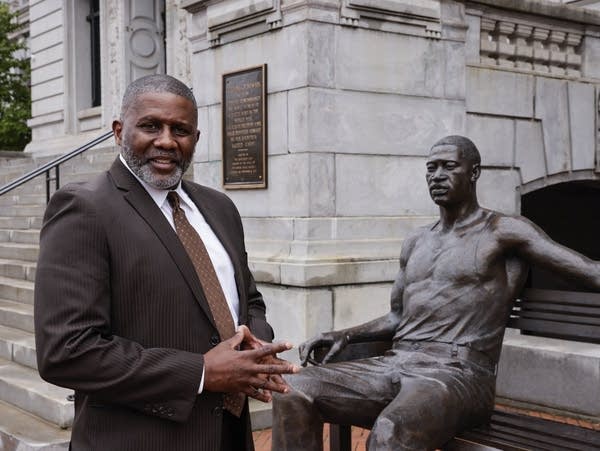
(142, 203)
(223, 233)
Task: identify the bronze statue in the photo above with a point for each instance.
(449, 307)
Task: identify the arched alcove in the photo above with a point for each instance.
(569, 213)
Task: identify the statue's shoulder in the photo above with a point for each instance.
(413, 236)
(511, 226)
(411, 240)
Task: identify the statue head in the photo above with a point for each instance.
(453, 167)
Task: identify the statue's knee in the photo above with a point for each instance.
(383, 433)
(401, 433)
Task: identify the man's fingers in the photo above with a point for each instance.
(276, 378)
(255, 393)
(262, 389)
(271, 349)
(236, 339)
(276, 368)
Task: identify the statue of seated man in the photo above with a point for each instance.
(449, 307)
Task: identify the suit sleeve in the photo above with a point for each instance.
(75, 347)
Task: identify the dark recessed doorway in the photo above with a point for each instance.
(570, 214)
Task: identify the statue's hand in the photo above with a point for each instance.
(335, 341)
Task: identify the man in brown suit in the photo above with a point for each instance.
(121, 314)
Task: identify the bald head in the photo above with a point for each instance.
(155, 84)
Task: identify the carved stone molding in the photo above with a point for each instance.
(513, 43)
(227, 20)
(419, 17)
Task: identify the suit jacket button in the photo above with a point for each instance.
(215, 340)
(218, 411)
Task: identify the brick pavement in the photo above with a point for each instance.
(262, 439)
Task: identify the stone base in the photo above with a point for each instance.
(549, 373)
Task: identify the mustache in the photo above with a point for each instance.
(176, 156)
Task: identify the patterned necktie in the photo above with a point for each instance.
(232, 402)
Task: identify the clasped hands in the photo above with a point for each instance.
(246, 364)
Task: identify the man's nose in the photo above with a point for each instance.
(165, 139)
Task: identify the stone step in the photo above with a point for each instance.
(21, 431)
(17, 269)
(16, 198)
(16, 290)
(18, 346)
(16, 315)
(20, 222)
(28, 236)
(24, 210)
(9, 158)
(36, 186)
(19, 251)
(22, 387)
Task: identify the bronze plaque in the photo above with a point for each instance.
(245, 128)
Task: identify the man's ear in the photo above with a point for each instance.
(475, 172)
(117, 128)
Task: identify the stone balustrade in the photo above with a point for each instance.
(529, 47)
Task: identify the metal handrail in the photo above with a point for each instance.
(54, 164)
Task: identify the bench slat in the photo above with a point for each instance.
(574, 331)
(529, 437)
(509, 439)
(546, 426)
(477, 443)
(504, 441)
(559, 296)
(560, 318)
(557, 308)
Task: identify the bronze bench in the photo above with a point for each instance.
(548, 313)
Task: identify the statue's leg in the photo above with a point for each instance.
(423, 416)
(297, 424)
(351, 392)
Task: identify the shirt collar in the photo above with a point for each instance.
(159, 196)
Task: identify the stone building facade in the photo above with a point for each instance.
(357, 92)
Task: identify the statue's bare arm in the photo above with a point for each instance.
(527, 241)
(382, 328)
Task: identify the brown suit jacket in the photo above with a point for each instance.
(120, 316)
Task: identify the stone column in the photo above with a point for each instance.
(348, 131)
(135, 47)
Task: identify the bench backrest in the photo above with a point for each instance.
(570, 315)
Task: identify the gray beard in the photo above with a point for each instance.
(144, 171)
